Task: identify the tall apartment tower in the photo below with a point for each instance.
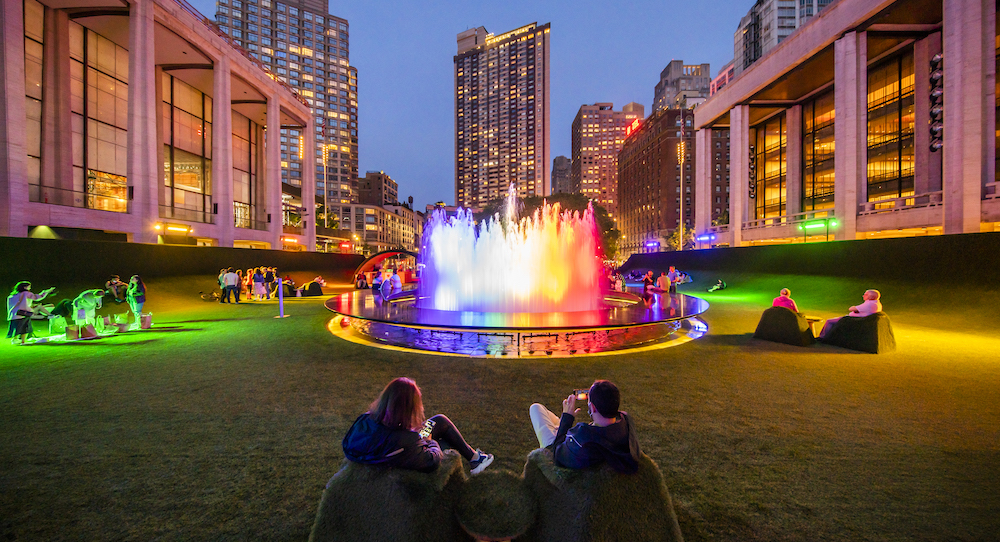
(307, 47)
(562, 182)
(598, 134)
(682, 85)
(767, 24)
(501, 114)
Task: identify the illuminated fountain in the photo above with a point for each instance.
(517, 286)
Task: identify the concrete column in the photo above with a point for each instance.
(739, 170)
(13, 156)
(222, 151)
(793, 160)
(141, 169)
(161, 155)
(272, 171)
(57, 128)
(927, 164)
(969, 72)
(309, 183)
(850, 163)
(702, 180)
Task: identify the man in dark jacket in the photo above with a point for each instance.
(610, 438)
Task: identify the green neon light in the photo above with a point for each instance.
(811, 226)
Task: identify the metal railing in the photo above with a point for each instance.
(74, 198)
(210, 24)
(786, 220)
(291, 230)
(188, 215)
(930, 199)
(721, 228)
(990, 191)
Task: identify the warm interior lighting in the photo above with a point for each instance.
(178, 229)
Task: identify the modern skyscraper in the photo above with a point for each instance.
(682, 85)
(561, 179)
(306, 47)
(767, 24)
(501, 114)
(598, 134)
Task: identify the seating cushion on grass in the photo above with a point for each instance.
(783, 325)
(599, 504)
(311, 289)
(496, 505)
(373, 504)
(872, 334)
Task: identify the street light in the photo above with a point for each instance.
(828, 222)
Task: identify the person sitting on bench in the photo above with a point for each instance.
(610, 438)
(784, 299)
(871, 306)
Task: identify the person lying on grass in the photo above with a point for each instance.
(393, 433)
(610, 438)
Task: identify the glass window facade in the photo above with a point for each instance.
(187, 151)
(34, 21)
(817, 153)
(890, 128)
(770, 147)
(246, 139)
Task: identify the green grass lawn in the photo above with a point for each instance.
(223, 423)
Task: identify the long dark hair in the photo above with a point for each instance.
(20, 287)
(140, 285)
(399, 406)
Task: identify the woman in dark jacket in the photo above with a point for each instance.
(393, 433)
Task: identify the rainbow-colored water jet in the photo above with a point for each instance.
(547, 262)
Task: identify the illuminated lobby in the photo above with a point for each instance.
(142, 122)
(875, 119)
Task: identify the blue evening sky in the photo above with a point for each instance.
(601, 52)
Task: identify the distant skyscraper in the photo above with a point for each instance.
(501, 114)
(682, 85)
(307, 48)
(562, 182)
(767, 24)
(598, 134)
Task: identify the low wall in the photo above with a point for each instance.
(965, 258)
(54, 260)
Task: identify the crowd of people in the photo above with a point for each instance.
(25, 306)
(256, 284)
(393, 432)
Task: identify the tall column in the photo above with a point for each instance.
(222, 150)
(739, 170)
(57, 128)
(702, 180)
(272, 171)
(927, 164)
(13, 157)
(850, 125)
(309, 183)
(141, 168)
(793, 160)
(969, 73)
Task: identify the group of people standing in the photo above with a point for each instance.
(257, 283)
(23, 305)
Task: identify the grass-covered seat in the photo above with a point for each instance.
(311, 289)
(783, 325)
(872, 334)
(371, 504)
(599, 503)
(496, 505)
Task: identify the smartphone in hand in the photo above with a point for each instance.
(425, 431)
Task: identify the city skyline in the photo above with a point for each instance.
(406, 96)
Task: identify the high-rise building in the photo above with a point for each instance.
(598, 134)
(501, 114)
(767, 24)
(682, 85)
(308, 48)
(650, 177)
(377, 188)
(561, 180)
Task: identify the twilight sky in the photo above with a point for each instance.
(404, 51)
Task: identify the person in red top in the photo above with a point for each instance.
(784, 299)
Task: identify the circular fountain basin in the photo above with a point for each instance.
(625, 324)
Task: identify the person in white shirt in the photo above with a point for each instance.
(19, 310)
(231, 281)
(870, 306)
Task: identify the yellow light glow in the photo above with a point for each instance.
(178, 228)
(301, 146)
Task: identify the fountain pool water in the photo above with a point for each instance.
(520, 287)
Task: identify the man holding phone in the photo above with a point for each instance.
(610, 438)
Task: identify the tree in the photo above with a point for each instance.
(673, 242)
(610, 236)
(722, 220)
